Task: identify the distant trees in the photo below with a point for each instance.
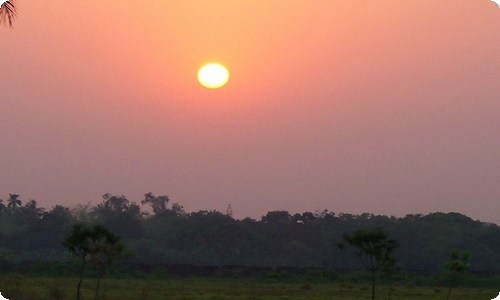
(373, 249)
(277, 217)
(119, 215)
(206, 236)
(275, 226)
(93, 245)
(157, 203)
(32, 211)
(54, 226)
(8, 12)
(13, 200)
(279, 238)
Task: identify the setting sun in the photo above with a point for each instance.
(213, 76)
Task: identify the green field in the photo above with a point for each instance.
(20, 288)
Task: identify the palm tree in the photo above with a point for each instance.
(2, 206)
(14, 201)
(8, 12)
(32, 209)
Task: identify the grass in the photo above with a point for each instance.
(44, 288)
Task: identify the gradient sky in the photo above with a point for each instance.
(388, 107)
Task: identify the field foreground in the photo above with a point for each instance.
(20, 288)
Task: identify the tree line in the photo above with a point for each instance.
(160, 233)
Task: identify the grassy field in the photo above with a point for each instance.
(20, 288)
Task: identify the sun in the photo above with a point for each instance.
(213, 76)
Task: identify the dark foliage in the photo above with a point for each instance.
(8, 12)
(94, 245)
(373, 249)
(278, 239)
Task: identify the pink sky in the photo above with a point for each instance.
(388, 107)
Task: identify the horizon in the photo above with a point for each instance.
(229, 210)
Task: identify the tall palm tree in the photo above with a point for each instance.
(13, 201)
(8, 12)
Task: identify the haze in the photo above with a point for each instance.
(387, 107)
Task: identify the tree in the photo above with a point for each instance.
(178, 209)
(277, 216)
(2, 206)
(107, 252)
(80, 243)
(54, 226)
(457, 265)
(13, 201)
(32, 210)
(374, 250)
(8, 12)
(119, 215)
(93, 245)
(158, 203)
(387, 271)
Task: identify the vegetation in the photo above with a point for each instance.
(35, 241)
(163, 233)
(8, 12)
(374, 250)
(43, 288)
(457, 266)
(93, 245)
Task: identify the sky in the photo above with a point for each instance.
(386, 107)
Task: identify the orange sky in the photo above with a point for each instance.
(390, 107)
